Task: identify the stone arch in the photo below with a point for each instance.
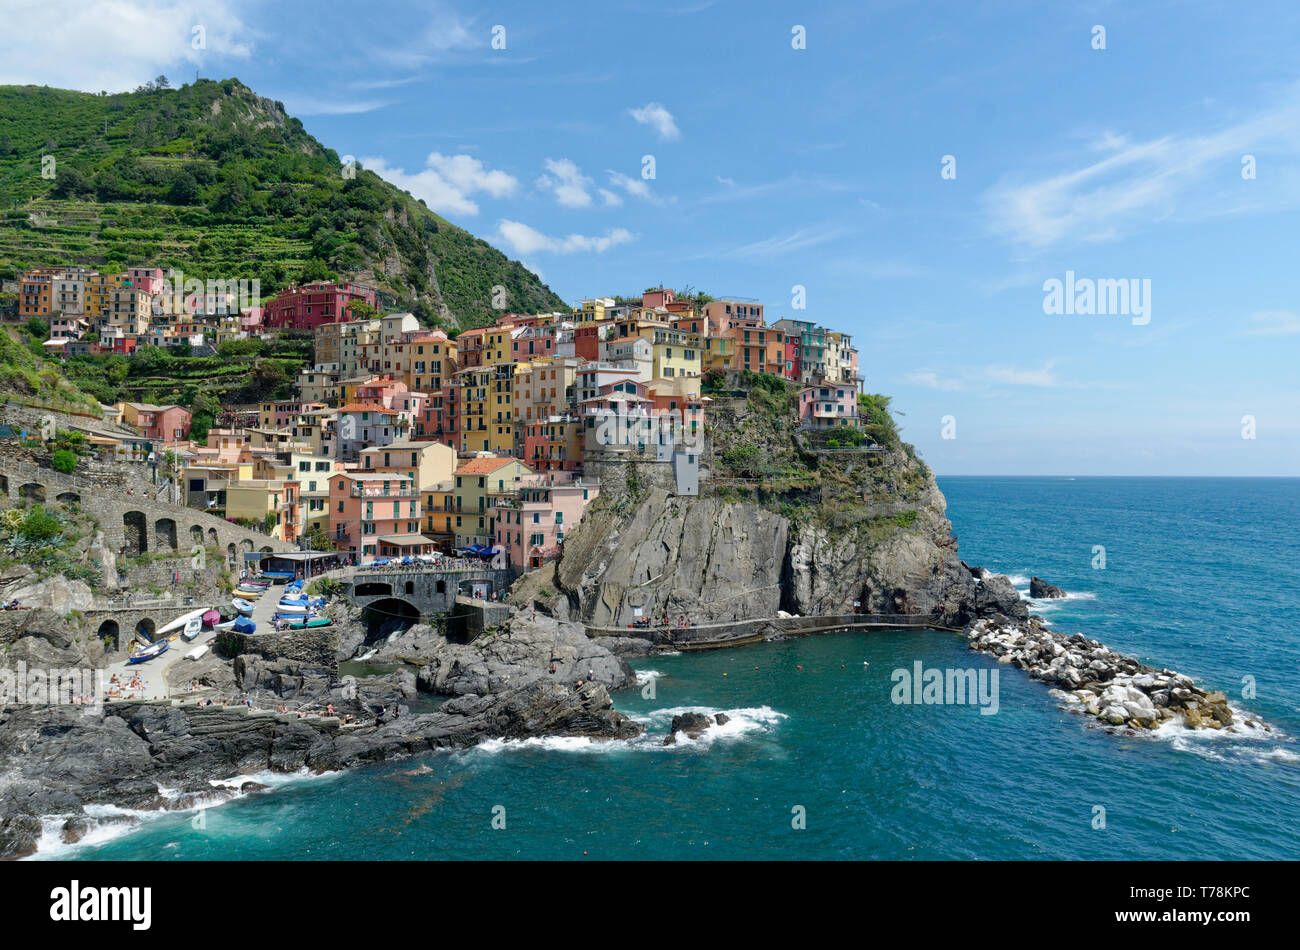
(231, 555)
(146, 628)
(265, 550)
(68, 498)
(441, 587)
(134, 533)
(4, 485)
(109, 632)
(32, 491)
(164, 533)
(212, 538)
(372, 589)
(384, 617)
(196, 534)
(246, 546)
(410, 587)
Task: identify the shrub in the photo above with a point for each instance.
(64, 461)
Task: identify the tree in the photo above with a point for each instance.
(161, 83)
(64, 461)
(184, 190)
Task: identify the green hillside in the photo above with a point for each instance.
(217, 181)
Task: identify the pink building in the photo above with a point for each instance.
(148, 280)
(829, 405)
(307, 307)
(376, 514)
(531, 525)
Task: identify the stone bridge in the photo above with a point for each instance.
(415, 594)
(115, 624)
(135, 523)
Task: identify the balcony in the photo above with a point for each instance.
(405, 490)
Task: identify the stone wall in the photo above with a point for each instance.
(133, 522)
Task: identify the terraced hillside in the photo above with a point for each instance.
(217, 181)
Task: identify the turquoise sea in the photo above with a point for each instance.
(1201, 575)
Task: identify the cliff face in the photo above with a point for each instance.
(780, 524)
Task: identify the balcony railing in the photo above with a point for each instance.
(403, 491)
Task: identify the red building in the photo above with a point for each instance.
(307, 307)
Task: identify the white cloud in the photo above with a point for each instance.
(658, 118)
(636, 187)
(523, 239)
(115, 45)
(785, 243)
(315, 105)
(1016, 376)
(565, 180)
(1137, 183)
(1274, 323)
(448, 182)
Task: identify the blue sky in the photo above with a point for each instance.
(821, 167)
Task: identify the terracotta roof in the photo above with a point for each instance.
(483, 466)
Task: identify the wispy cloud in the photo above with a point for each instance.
(636, 187)
(524, 239)
(983, 378)
(319, 105)
(658, 118)
(1274, 323)
(786, 243)
(1019, 376)
(1136, 183)
(448, 182)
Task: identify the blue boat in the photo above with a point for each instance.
(244, 625)
(149, 652)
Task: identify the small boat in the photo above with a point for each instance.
(244, 625)
(211, 618)
(192, 629)
(181, 621)
(227, 625)
(148, 653)
(197, 652)
(277, 575)
(292, 608)
(310, 622)
(243, 606)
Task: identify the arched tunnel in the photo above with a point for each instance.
(387, 616)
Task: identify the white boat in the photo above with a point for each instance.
(192, 629)
(243, 606)
(225, 626)
(292, 608)
(197, 653)
(181, 621)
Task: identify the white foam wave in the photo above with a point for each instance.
(106, 821)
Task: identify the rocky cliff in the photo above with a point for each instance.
(783, 521)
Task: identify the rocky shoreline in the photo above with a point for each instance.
(1092, 679)
(531, 677)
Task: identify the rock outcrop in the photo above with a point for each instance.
(876, 536)
(1092, 679)
(1039, 589)
(60, 759)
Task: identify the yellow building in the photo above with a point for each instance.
(676, 353)
(252, 500)
(719, 353)
(427, 463)
(475, 481)
(593, 310)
